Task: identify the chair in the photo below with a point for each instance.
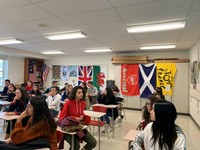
(95, 122)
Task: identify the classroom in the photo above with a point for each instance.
(104, 36)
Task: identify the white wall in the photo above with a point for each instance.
(16, 69)
(82, 60)
(194, 95)
(114, 73)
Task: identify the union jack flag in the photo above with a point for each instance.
(84, 74)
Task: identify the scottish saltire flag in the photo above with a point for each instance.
(84, 74)
(147, 80)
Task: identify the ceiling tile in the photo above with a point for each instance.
(67, 7)
(155, 8)
(8, 4)
(22, 14)
(45, 24)
(94, 17)
(118, 3)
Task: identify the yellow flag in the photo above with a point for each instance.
(165, 73)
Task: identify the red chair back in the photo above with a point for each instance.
(99, 109)
(86, 120)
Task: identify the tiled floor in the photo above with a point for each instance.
(131, 121)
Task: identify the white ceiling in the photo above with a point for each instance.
(104, 22)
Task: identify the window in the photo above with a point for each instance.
(3, 72)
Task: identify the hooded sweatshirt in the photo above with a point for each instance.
(73, 109)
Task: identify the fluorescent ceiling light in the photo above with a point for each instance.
(7, 41)
(158, 47)
(66, 36)
(53, 52)
(156, 27)
(97, 50)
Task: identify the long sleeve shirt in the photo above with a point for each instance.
(54, 102)
(72, 109)
(21, 134)
(145, 138)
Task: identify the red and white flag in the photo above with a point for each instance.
(45, 73)
(130, 79)
(33, 73)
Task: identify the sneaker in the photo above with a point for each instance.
(105, 128)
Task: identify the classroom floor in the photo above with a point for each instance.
(191, 131)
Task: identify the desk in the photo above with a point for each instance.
(3, 104)
(112, 107)
(70, 133)
(8, 118)
(130, 136)
(97, 115)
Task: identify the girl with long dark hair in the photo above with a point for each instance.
(74, 108)
(162, 133)
(40, 124)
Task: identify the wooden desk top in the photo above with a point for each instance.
(131, 134)
(93, 113)
(107, 106)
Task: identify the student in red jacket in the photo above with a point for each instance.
(74, 108)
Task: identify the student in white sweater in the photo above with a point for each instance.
(162, 133)
(53, 101)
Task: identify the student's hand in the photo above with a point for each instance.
(79, 118)
(10, 113)
(23, 114)
(8, 141)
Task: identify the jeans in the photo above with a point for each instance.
(106, 117)
(88, 138)
(53, 113)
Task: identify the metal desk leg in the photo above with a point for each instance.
(99, 132)
(113, 120)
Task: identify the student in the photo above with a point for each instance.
(116, 91)
(40, 124)
(11, 92)
(5, 89)
(48, 90)
(162, 133)
(84, 85)
(67, 92)
(158, 92)
(74, 108)
(29, 86)
(35, 91)
(17, 106)
(64, 88)
(92, 93)
(147, 109)
(107, 98)
(53, 101)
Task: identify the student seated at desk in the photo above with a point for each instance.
(162, 133)
(5, 89)
(146, 111)
(108, 98)
(74, 108)
(29, 86)
(40, 124)
(48, 90)
(11, 92)
(53, 101)
(17, 106)
(35, 91)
